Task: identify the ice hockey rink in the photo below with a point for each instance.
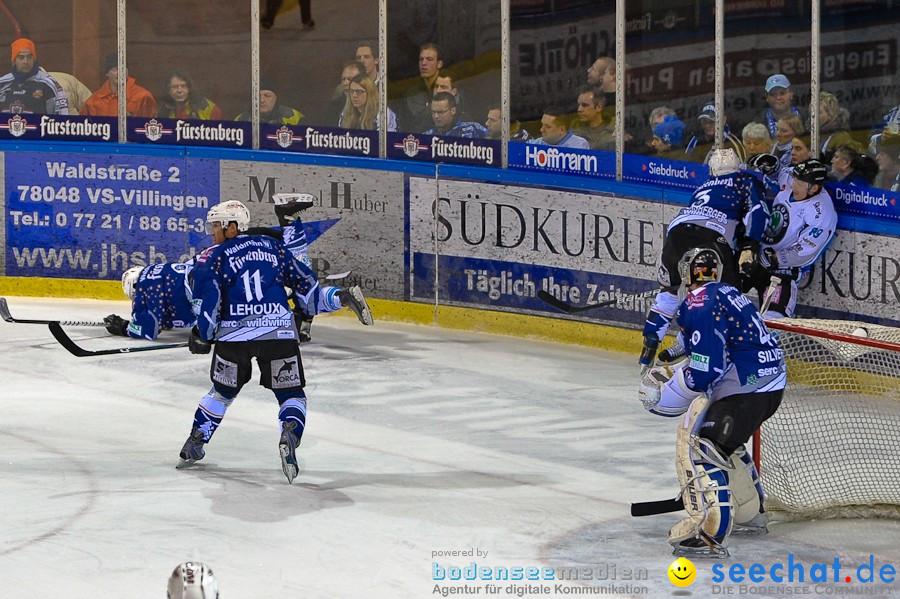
(420, 441)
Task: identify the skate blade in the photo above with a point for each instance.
(717, 552)
(290, 470)
(183, 463)
(749, 531)
(365, 313)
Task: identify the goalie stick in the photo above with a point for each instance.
(551, 300)
(76, 350)
(4, 313)
(652, 508)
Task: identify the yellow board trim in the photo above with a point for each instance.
(449, 317)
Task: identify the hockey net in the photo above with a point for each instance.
(833, 447)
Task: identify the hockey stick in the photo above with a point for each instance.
(652, 508)
(74, 349)
(4, 313)
(551, 300)
(773, 288)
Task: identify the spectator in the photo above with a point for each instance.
(415, 112)
(105, 101)
(780, 99)
(850, 167)
(701, 143)
(443, 111)
(886, 148)
(270, 111)
(668, 138)
(272, 7)
(494, 122)
(555, 131)
(834, 126)
(603, 74)
(27, 89)
(756, 139)
(445, 83)
(352, 68)
(787, 128)
(182, 100)
(783, 178)
(76, 91)
(599, 134)
(645, 146)
(361, 108)
(367, 55)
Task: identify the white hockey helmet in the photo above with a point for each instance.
(193, 580)
(723, 161)
(227, 212)
(130, 279)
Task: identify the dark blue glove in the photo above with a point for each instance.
(198, 345)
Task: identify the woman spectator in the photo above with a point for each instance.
(361, 107)
(850, 167)
(182, 100)
(756, 139)
(786, 129)
(834, 126)
(886, 148)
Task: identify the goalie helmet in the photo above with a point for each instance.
(130, 279)
(723, 161)
(227, 212)
(193, 580)
(699, 266)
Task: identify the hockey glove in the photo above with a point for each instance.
(197, 345)
(650, 389)
(767, 164)
(748, 260)
(116, 325)
(771, 257)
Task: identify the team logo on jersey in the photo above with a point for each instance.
(696, 298)
(779, 221)
(37, 94)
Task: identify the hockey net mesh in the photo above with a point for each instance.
(833, 447)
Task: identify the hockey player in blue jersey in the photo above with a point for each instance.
(731, 382)
(241, 304)
(726, 213)
(161, 296)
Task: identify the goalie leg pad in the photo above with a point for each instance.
(703, 474)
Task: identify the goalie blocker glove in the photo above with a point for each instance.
(767, 164)
(116, 325)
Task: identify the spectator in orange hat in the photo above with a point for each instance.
(27, 89)
(105, 101)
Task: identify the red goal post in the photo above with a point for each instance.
(833, 447)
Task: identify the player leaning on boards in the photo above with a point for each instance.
(726, 212)
(802, 224)
(240, 301)
(732, 383)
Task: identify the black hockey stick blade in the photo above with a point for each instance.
(551, 300)
(652, 508)
(4, 313)
(76, 350)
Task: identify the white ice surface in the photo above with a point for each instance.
(418, 440)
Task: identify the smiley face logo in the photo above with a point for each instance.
(682, 572)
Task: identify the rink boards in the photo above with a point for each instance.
(445, 235)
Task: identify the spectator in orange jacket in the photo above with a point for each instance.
(104, 101)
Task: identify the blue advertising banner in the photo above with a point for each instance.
(319, 140)
(95, 216)
(499, 284)
(865, 201)
(563, 161)
(437, 148)
(228, 134)
(675, 173)
(58, 127)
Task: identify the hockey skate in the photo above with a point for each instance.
(287, 447)
(759, 525)
(193, 449)
(354, 299)
(672, 354)
(288, 206)
(701, 547)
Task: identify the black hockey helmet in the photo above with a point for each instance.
(811, 171)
